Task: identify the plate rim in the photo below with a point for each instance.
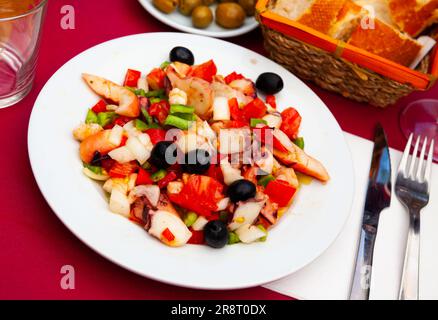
(186, 284)
(149, 7)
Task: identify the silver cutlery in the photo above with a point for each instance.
(412, 189)
(378, 198)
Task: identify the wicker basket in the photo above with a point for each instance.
(339, 67)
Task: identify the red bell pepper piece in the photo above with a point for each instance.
(143, 177)
(280, 192)
(204, 71)
(197, 237)
(99, 107)
(122, 170)
(156, 135)
(123, 141)
(156, 79)
(233, 76)
(160, 110)
(215, 172)
(271, 100)
(266, 134)
(291, 122)
(255, 109)
(131, 78)
(235, 112)
(168, 235)
(168, 178)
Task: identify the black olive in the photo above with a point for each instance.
(196, 162)
(269, 83)
(161, 157)
(216, 234)
(97, 159)
(183, 55)
(241, 190)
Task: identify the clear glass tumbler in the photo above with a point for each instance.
(20, 30)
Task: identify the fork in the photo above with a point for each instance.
(412, 189)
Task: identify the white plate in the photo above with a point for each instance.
(181, 22)
(304, 233)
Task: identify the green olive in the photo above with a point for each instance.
(248, 6)
(230, 15)
(166, 6)
(202, 17)
(186, 6)
(208, 2)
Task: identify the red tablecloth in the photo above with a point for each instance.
(34, 244)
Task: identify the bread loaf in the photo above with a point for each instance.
(348, 20)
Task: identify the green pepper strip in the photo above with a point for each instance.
(105, 118)
(233, 238)
(179, 123)
(146, 116)
(94, 169)
(254, 122)
(299, 142)
(156, 93)
(178, 108)
(91, 117)
(157, 176)
(140, 125)
(265, 180)
(190, 218)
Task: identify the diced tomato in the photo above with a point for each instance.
(265, 134)
(233, 124)
(122, 120)
(122, 170)
(168, 235)
(271, 100)
(235, 111)
(143, 177)
(255, 109)
(123, 141)
(233, 76)
(131, 78)
(280, 192)
(215, 172)
(207, 192)
(204, 71)
(156, 135)
(156, 79)
(160, 110)
(197, 237)
(168, 178)
(99, 107)
(291, 122)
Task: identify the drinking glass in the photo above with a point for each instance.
(421, 118)
(20, 30)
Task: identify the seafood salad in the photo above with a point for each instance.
(193, 156)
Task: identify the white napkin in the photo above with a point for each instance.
(329, 277)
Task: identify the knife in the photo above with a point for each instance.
(378, 198)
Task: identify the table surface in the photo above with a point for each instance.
(35, 244)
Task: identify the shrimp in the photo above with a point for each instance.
(199, 92)
(128, 104)
(304, 163)
(288, 175)
(99, 142)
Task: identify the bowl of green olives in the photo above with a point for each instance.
(214, 18)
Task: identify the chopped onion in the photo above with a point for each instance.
(122, 155)
(138, 149)
(246, 213)
(273, 120)
(90, 174)
(230, 174)
(143, 84)
(116, 135)
(162, 220)
(234, 140)
(119, 203)
(221, 110)
(249, 234)
(199, 223)
(223, 204)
